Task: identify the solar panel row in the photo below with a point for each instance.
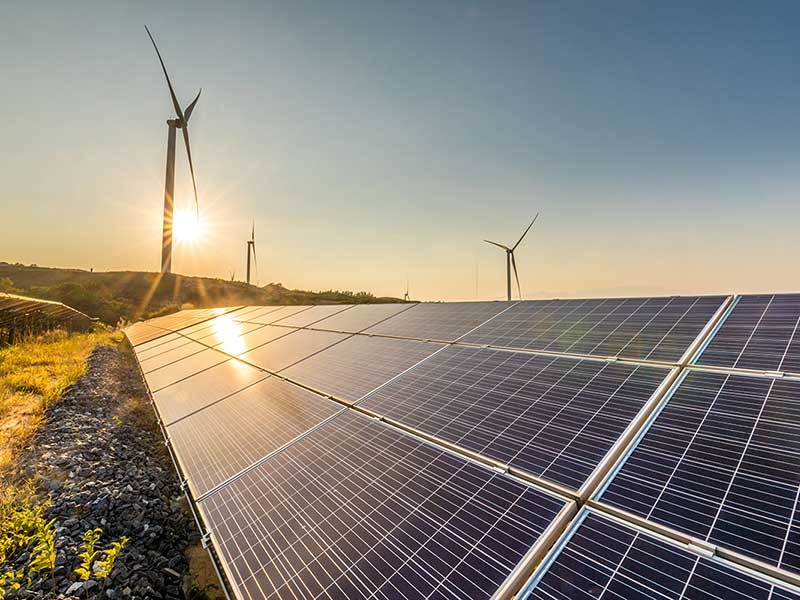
(305, 498)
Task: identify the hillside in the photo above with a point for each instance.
(132, 295)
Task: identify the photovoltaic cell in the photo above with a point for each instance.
(312, 315)
(658, 329)
(360, 317)
(760, 333)
(183, 398)
(227, 437)
(179, 370)
(722, 463)
(440, 322)
(358, 365)
(554, 417)
(287, 350)
(356, 509)
(605, 559)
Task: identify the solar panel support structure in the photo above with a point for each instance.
(537, 553)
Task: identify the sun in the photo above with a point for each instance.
(187, 226)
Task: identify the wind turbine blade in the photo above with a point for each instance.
(496, 244)
(255, 260)
(253, 232)
(190, 108)
(526, 231)
(191, 167)
(514, 264)
(175, 103)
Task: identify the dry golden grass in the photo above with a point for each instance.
(34, 374)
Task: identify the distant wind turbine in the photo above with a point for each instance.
(181, 122)
(510, 262)
(251, 243)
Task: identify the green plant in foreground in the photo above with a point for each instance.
(90, 538)
(106, 565)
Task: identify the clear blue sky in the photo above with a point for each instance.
(660, 142)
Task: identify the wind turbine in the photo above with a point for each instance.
(181, 122)
(510, 258)
(251, 243)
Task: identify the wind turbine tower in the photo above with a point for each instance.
(510, 262)
(180, 122)
(251, 243)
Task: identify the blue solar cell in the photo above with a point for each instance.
(356, 509)
(721, 463)
(555, 417)
(606, 559)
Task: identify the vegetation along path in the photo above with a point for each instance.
(101, 504)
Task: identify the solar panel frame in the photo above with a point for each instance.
(791, 537)
(177, 371)
(650, 575)
(517, 573)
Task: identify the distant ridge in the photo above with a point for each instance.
(132, 295)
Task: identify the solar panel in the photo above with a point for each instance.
(722, 463)
(554, 417)
(210, 385)
(226, 437)
(360, 317)
(603, 558)
(142, 333)
(269, 314)
(657, 329)
(440, 322)
(358, 365)
(265, 334)
(181, 369)
(170, 356)
(165, 343)
(761, 333)
(312, 315)
(356, 509)
(287, 350)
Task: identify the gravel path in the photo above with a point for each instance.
(101, 456)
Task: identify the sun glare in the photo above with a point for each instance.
(187, 226)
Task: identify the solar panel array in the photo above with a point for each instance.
(552, 449)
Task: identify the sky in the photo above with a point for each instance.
(376, 142)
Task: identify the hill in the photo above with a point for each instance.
(133, 295)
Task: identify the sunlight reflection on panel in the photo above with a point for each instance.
(229, 334)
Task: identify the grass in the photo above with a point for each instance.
(33, 375)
